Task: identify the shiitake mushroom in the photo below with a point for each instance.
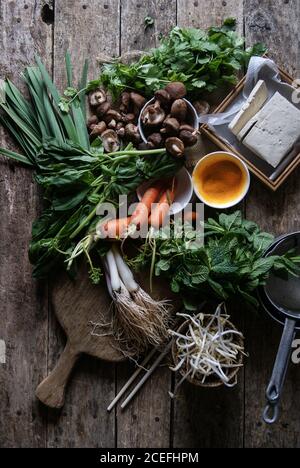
(102, 109)
(170, 126)
(175, 147)
(176, 90)
(97, 129)
(202, 107)
(163, 97)
(179, 109)
(155, 140)
(153, 115)
(110, 141)
(132, 133)
(188, 138)
(97, 97)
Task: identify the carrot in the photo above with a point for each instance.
(143, 208)
(158, 215)
(115, 228)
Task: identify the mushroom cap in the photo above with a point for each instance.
(171, 126)
(163, 97)
(179, 109)
(188, 138)
(175, 147)
(176, 90)
(97, 97)
(202, 107)
(155, 140)
(103, 109)
(125, 99)
(137, 100)
(187, 127)
(128, 118)
(153, 114)
(132, 132)
(113, 114)
(92, 120)
(110, 141)
(98, 129)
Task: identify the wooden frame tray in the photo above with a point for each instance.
(210, 133)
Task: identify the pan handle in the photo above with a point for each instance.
(273, 392)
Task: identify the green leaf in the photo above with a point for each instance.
(218, 289)
(82, 85)
(70, 92)
(162, 265)
(15, 156)
(66, 119)
(64, 106)
(199, 84)
(69, 69)
(231, 221)
(230, 22)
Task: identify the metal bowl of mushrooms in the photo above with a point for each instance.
(170, 120)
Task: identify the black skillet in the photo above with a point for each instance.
(281, 299)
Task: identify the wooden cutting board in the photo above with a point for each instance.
(78, 305)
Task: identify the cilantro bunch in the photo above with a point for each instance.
(229, 264)
(202, 60)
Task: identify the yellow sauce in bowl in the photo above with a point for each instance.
(220, 180)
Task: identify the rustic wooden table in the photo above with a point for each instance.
(198, 418)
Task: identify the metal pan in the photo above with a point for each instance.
(281, 299)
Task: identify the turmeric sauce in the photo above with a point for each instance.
(220, 180)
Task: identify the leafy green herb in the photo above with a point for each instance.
(74, 175)
(230, 263)
(203, 60)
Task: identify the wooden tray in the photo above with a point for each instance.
(206, 130)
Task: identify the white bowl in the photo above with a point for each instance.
(184, 191)
(243, 193)
(192, 117)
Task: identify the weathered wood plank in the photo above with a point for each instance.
(134, 34)
(23, 301)
(278, 28)
(202, 13)
(146, 422)
(85, 28)
(209, 417)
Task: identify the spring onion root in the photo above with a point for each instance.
(139, 321)
(208, 349)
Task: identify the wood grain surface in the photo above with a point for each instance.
(34, 340)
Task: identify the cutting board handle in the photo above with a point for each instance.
(51, 391)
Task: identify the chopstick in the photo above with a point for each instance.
(131, 380)
(147, 375)
(144, 379)
(148, 372)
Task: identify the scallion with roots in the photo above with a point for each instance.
(139, 321)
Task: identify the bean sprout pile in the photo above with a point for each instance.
(210, 348)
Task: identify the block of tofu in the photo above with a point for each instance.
(275, 129)
(252, 106)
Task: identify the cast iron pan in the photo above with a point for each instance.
(281, 299)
